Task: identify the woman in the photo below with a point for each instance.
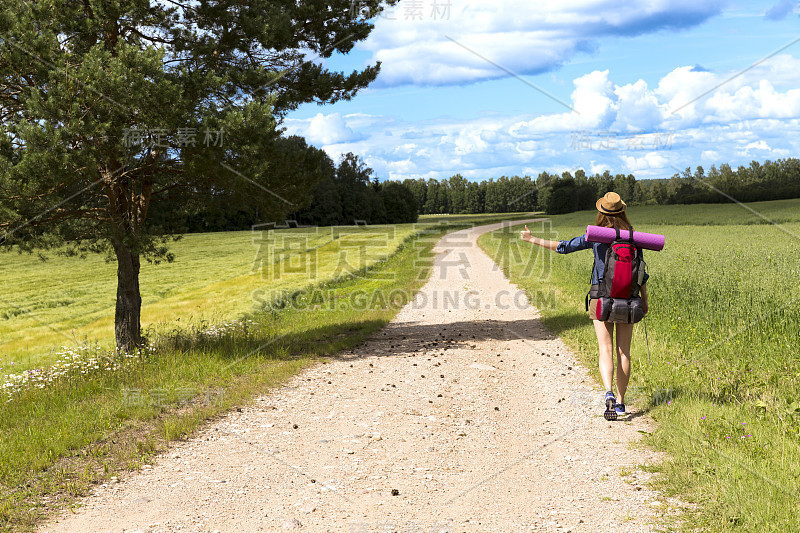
(611, 214)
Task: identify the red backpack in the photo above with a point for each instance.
(617, 293)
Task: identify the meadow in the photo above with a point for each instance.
(722, 379)
(69, 301)
(216, 277)
(94, 415)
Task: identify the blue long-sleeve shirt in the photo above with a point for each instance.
(599, 248)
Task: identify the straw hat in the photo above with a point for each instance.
(611, 204)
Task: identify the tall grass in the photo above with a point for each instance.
(69, 301)
(723, 380)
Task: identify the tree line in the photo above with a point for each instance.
(567, 192)
(350, 193)
(343, 194)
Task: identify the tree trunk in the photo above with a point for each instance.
(127, 325)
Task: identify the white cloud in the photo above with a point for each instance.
(523, 36)
(622, 128)
(329, 129)
(692, 97)
(756, 147)
(599, 168)
(593, 105)
(638, 108)
(683, 98)
(651, 160)
(680, 90)
(749, 102)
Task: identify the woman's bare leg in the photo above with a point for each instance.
(605, 341)
(624, 336)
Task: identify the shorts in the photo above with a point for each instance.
(593, 308)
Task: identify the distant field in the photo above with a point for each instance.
(65, 301)
(778, 211)
(216, 277)
(469, 218)
(723, 380)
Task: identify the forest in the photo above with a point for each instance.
(565, 193)
(350, 193)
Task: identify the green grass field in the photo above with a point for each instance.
(68, 301)
(723, 381)
(216, 277)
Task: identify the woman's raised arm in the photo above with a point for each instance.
(544, 243)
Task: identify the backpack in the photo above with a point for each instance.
(617, 294)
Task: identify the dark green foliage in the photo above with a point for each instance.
(326, 206)
(436, 200)
(347, 196)
(566, 193)
(291, 159)
(400, 204)
(475, 198)
(352, 181)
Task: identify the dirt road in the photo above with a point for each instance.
(464, 414)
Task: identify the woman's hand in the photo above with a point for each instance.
(525, 235)
(644, 305)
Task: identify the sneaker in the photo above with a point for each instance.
(611, 404)
(620, 409)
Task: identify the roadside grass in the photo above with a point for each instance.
(723, 376)
(58, 441)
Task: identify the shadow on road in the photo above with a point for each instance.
(407, 338)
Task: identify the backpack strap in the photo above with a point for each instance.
(634, 293)
(593, 293)
(591, 282)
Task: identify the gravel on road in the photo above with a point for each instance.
(463, 414)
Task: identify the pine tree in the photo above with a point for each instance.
(112, 110)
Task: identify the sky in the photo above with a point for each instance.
(490, 88)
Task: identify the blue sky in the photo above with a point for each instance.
(516, 87)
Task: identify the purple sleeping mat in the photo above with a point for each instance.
(649, 241)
